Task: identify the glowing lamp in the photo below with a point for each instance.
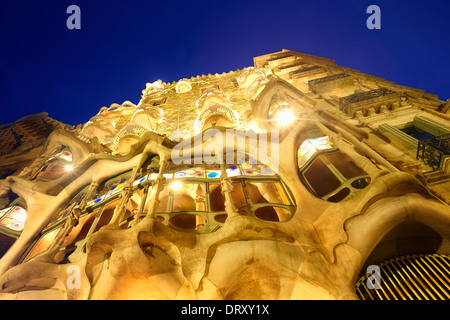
(176, 185)
(285, 117)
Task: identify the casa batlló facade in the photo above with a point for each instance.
(294, 178)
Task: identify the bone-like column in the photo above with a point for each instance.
(127, 192)
(226, 189)
(156, 190)
(71, 222)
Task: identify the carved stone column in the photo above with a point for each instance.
(200, 202)
(226, 189)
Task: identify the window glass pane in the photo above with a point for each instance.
(145, 171)
(256, 170)
(81, 230)
(77, 234)
(110, 187)
(221, 217)
(139, 180)
(269, 213)
(216, 198)
(345, 165)
(310, 146)
(233, 171)
(56, 170)
(263, 192)
(107, 214)
(41, 171)
(14, 219)
(163, 200)
(340, 195)
(4, 211)
(64, 154)
(361, 183)
(417, 133)
(5, 243)
(187, 221)
(135, 202)
(116, 188)
(238, 195)
(190, 171)
(43, 243)
(55, 166)
(168, 174)
(189, 197)
(213, 171)
(321, 179)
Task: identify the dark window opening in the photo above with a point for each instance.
(333, 176)
(321, 179)
(417, 133)
(5, 243)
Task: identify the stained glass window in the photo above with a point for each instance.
(55, 166)
(190, 171)
(196, 204)
(256, 170)
(43, 244)
(13, 218)
(213, 171)
(233, 171)
(3, 212)
(310, 146)
(266, 192)
(112, 187)
(332, 176)
(139, 181)
(64, 154)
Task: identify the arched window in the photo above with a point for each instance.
(55, 167)
(329, 173)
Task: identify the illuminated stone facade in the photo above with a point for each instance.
(355, 173)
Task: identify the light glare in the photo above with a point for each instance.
(176, 185)
(285, 117)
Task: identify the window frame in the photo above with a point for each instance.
(50, 163)
(344, 182)
(211, 225)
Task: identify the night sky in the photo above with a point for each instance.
(122, 45)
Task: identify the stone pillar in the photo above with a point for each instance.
(227, 188)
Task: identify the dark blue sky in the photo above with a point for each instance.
(122, 45)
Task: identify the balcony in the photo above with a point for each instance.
(433, 151)
(369, 99)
